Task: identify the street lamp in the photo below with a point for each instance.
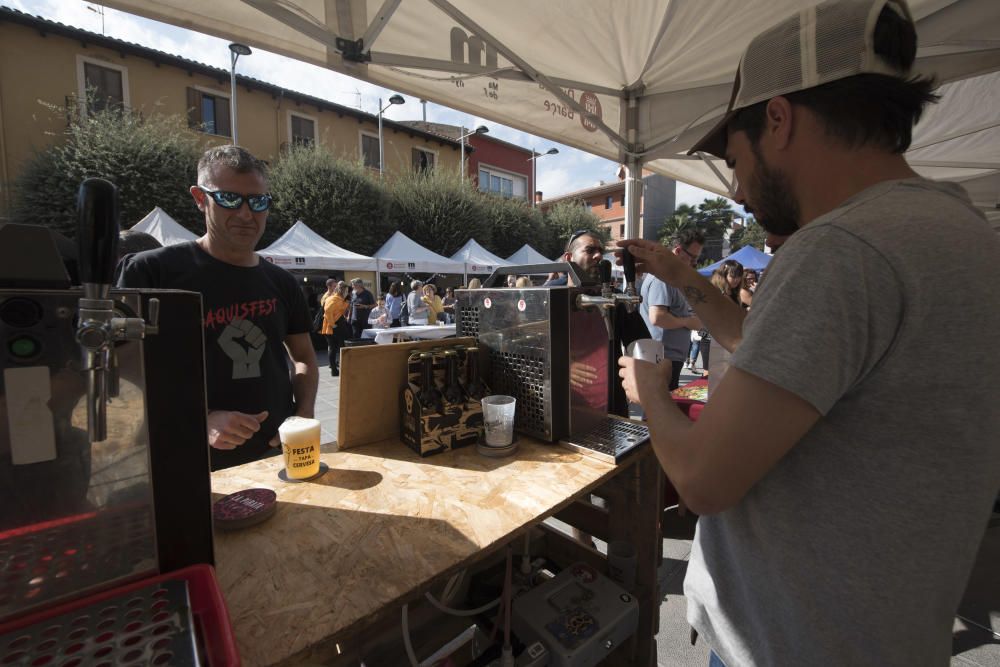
(482, 129)
(534, 170)
(395, 99)
(235, 51)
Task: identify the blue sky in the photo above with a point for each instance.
(568, 171)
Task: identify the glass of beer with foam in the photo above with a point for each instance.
(300, 444)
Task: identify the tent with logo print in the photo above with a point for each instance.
(478, 260)
(401, 254)
(633, 81)
(302, 248)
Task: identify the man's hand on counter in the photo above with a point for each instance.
(229, 429)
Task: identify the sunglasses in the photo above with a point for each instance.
(583, 232)
(233, 200)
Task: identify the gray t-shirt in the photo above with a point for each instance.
(655, 292)
(856, 547)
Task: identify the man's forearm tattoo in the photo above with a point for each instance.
(694, 295)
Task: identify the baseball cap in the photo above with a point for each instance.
(830, 41)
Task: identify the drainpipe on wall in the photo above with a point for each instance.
(277, 124)
(5, 200)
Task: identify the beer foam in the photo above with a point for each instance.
(298, 427)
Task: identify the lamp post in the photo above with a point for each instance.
(395, 99)
(534, 171)
(235, 51)
(482, 129)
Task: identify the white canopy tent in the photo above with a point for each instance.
(302, 248)
(401, 253)
(528, 255)
(635, 81)
(477, 259)
(163, 228)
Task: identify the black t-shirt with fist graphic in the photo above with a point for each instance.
(247, 313)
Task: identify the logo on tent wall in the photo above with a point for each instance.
(300, 260)
(590, 102)
(269, 259)
(411, 265)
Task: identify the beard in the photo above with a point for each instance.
(774, 205)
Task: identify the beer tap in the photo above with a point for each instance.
(629, 298)
(99, 325)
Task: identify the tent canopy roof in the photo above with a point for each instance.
(302, 243)
(402, 252)
(748, 256)
(477, 258)
(163, 228)
(528, 255)
(616, 78)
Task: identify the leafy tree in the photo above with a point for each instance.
(337, 198)
(714, 216)
(561, 221)
(675, 224)
(152, 160)
(514, 223)
(751, 234)
(437, 210)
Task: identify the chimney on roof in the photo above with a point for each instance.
(423, 103)
(538, 197)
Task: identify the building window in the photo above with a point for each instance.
(101, 85)
(609, 201)
(503, 183)
(208, 112)
(423, 160)
(302, 130)
(587, 205)
(621, 231)
(369, 151)
(623, 199)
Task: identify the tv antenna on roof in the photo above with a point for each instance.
(98, 10)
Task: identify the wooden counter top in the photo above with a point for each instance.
(375, 531)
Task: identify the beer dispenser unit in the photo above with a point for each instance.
(553, 349)
(104, 463)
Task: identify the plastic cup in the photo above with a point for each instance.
(300, 438)
(621, 563)
(646, 349)
(498, 420)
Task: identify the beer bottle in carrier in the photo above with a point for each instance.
(453, 393)
(428, 395)
(475, 388)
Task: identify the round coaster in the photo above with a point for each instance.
(496, 452)
(283, 476)
(244, 508)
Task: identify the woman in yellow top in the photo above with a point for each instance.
(433, 302)
(335, 325)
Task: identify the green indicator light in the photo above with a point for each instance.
(23, 347)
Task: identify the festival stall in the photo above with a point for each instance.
(163, 228)
(478, 260)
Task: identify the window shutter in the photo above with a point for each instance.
(415, 159)
(222, 125)
(194, 108)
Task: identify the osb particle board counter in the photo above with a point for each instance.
(375, 531)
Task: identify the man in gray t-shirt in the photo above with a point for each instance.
(843, 476)
(665, 310)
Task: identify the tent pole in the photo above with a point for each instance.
(633, 196)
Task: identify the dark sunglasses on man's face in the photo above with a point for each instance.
(233, 200)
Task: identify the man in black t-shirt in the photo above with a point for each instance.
(362, 302)
(254, 315)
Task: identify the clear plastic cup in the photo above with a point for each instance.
(498, 420)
